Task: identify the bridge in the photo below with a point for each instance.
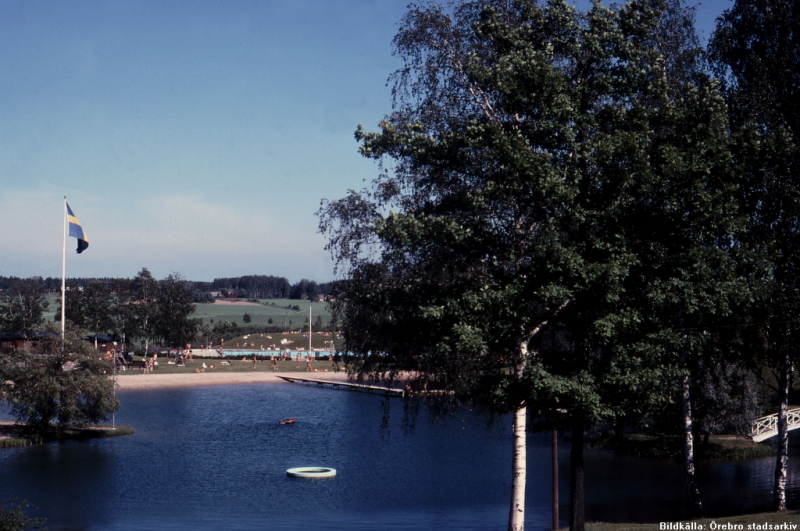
(766, 427)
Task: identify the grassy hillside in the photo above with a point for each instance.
(275, 309)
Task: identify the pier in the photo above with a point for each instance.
(766, 427)
(361, 388)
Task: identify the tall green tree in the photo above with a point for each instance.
(74, 307)
(123, 310)
(22, 308)
(146, 291)
(97, 304)
(174, 323)
(756, 50)
(543, 181)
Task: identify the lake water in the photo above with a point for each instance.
(216, 458)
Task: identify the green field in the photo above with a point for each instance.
(260, 314)
(275, 309)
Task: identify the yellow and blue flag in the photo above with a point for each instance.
(76, 231)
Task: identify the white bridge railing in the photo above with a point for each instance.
(767, 427)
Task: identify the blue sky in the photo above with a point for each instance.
(189, 136)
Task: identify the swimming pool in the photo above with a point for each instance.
(318, 354)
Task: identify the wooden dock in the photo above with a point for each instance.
(361, 388)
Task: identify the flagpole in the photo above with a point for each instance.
(64, 275)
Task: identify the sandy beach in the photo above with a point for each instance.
(161, 381)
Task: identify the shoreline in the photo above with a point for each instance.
(126, 382)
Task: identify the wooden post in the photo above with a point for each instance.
(555, 480)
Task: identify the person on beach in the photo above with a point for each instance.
(308, 363)
(254, 361)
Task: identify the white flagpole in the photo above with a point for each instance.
(64, 275)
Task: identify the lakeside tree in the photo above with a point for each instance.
(57, 388)
(551, 220)
(756, 50)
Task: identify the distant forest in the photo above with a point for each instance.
(248, 287)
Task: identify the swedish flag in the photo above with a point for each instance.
(76, 231)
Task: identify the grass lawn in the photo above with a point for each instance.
(234, 365)
(319, 340)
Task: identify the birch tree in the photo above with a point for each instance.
(756, 50)
(145, 306)
(531, 151)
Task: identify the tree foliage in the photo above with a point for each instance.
(14, 518)
(539, 156)
(557, 209)
(57, 388)
(756, 50)
(22, 308)
(144, 306)
(173, 321)
(90, 307)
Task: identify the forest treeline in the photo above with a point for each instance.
(248, 286)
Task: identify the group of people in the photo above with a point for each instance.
(149, 364)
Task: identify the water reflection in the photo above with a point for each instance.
(215, 458)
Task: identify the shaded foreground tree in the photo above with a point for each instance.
(55, 388)
(544, 182)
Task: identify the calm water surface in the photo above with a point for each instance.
(215, 458)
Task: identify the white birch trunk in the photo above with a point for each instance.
(519, 463)
(516, 518)
(695, 501)
(783, 436)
